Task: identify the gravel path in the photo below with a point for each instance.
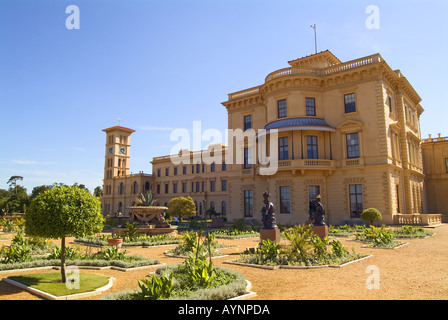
(417, 271)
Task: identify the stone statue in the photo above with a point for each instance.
(317, 212)
(268, 213)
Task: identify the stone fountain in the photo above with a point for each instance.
(150, 218)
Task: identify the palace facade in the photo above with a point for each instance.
(347, 131)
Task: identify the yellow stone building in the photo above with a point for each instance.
(435, 164)
(347, 131)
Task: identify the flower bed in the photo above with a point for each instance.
(191, 280)
(143, 241)
(235, 234)
(305, 250)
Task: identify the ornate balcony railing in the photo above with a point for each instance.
(292, 71)
(417, 219)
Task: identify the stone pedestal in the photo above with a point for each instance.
(270, 234)
(321, 231)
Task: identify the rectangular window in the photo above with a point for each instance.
(198, 187)
(352, 145)
(212, 186)
(446, 164)
(192, 168)
(247, 122)
(310, 104)
(311, 142)
(184, 187)
(248, 203)
(224, 167)
(198, 168)
(192, 187)
(350, 103)
(167, 172)
(247, 158)
(313, 192)
(389, 101)
(175, 171)
(283, 153)
(158, 172)
(223, 185)
(175, 188)
(203, 186)
(285, 200)
(356, 203)
(158, 189)
(184, 170)
(166, 188)
(281, 106)
(212, 167)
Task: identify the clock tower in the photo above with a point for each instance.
(118, 143)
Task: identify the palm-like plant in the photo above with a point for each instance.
(146, 199)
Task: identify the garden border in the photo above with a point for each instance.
(49, 296)
(293, 267)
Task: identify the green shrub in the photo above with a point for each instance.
(371, 215)
(299, 237)
(154, 289)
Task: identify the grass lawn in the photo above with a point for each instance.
(51, 282)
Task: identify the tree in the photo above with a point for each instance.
(182, 207)
(371, 215)
(13, 182)
(98, 192)
(39, 189)
(62, 212)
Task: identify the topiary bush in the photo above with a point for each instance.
(371, 215)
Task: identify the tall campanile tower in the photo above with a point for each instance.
(116, 163)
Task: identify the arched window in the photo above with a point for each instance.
(135, 187)
(146, 185)
(223, 208)
(121, 188)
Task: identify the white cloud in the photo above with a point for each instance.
(31, 162)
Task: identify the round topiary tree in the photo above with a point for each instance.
(371, 215)
(62, 212)
(182, 207)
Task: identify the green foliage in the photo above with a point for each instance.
(371, 215)
(269, 250)
(71, 253)
(181, 207)
(156, 288)
(379, 237)
(299, 237)
(18, 251)
(132, 231)
(338, 249)
(62, 212)
(411, 232)
(146, 199)
(319, 247)
(111, 253)
(199, 271)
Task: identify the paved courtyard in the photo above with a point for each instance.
(417, 271)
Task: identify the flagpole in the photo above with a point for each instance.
(315, 37)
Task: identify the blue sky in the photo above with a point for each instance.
(160, 65)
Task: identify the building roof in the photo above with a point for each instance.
(300, 124)
(118, 128)
(327, 56)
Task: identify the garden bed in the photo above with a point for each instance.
(228, 284)
(49, 285)
(141, 241)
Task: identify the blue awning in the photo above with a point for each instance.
(289, 124)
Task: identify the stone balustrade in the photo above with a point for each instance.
(417, 219)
